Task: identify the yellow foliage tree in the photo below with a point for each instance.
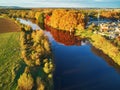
(37, 14)
(31, 14)
(67, 19)
(25, 82)
(40, 84)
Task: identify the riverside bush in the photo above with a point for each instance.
(25, 82)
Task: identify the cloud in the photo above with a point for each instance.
(98, 0)
(15, 1)
(61, 3)
(106, 0)
(52, 4)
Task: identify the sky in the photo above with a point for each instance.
(63, 3)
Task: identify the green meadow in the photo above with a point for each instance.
(10, 60)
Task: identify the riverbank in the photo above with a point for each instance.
(36, 54)
(109, 60)
(99, 42)
(102, 44)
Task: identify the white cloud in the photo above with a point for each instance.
(61, 3)
(99, 0)
(53, 4)
(106, 0)
(15, 1)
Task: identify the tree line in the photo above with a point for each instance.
(36, 53)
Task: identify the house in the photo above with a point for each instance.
(103, 27)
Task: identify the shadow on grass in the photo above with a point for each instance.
(18, 70)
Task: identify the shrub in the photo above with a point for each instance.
(50, 75)
(46, 45)
(41, 18)
(37, 62)
(25, 82)
(40, 84)
(48, 67)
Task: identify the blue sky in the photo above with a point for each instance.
(62, 3)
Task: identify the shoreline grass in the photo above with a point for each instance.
(102, 44)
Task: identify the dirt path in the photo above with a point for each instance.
(7, 25)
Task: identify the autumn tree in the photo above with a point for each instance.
(25, 82)
(31, 14)
(110, 14)
(40, 84)
(66, 19)
(34, 46)
(56, 16)
(37, 14)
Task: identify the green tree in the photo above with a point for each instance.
(41, 18)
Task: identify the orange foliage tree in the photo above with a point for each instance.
(110, 14)
(66, 19)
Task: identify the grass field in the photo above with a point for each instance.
(10, 61)
(11, 65)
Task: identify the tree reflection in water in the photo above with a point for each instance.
(106, 58)
(69, 39)
(65, 37)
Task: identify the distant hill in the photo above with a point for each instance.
(10, 7)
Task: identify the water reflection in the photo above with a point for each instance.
(106, 58)
(64, 37)
(81, 67)
(28, 22)
(41, 25)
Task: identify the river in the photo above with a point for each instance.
(78, 65)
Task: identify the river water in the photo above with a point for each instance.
(79, 66)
